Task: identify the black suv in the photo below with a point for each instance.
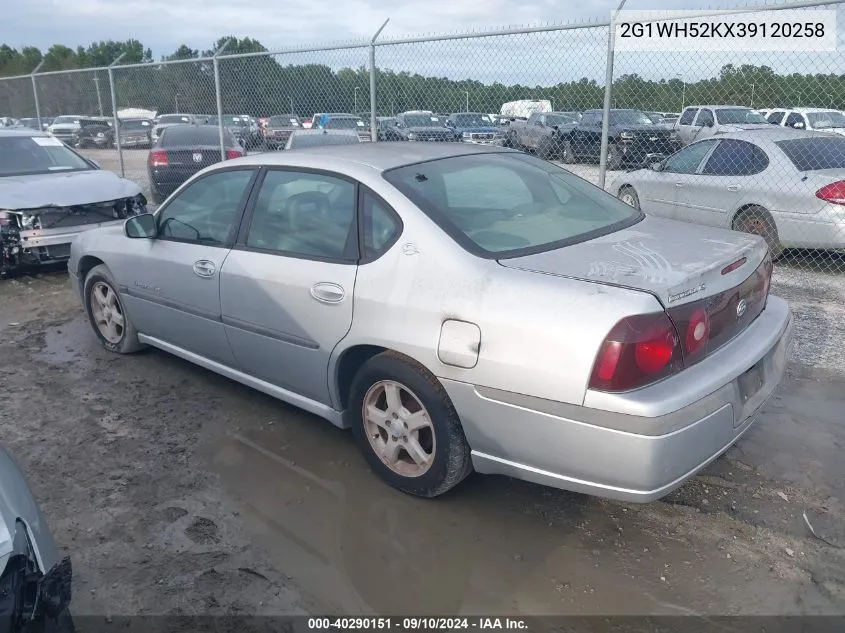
(633, 139)
(421, 126)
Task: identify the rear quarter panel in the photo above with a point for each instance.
(539, 333)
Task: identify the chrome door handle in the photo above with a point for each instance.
(205, 268)
(327, 292)
(734, 187)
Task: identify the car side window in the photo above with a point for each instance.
(303, 214)
(380, 227)
(776, 117)
(705, 118)
(794, 118)
(736, 158)
(687, 160)
(208, 210)
(687, 117)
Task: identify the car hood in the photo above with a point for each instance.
(487, 129)
(17, 502)
(641, 128)
(63, 189)
(674, 261)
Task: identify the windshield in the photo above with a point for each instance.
(66, 119)
(628, 117)
(21, 155)
(299, 141)
(564, 118)
(739, 116)
(135, 125)
(284, 121)
(472, 120)
(174, 118)
(826, 119)
(231, 120)
(496, 204)
(422, 120)
(812, 154)
(343, 123)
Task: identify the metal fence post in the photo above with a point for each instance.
(114, 114)
(219, 95)
(373, 120)
(608, 88)
(35, 94)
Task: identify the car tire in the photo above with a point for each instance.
(568, 155)
(758, 221)
(405, 394)
(614, 157)
(629, 196)
(544, 149)
(106, 313)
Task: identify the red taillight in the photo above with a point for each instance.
(639, 350)
(833, 193)
(233, 153)
(158, 159)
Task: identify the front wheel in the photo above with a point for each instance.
(406, 426)
(106, 313)
(629, 197)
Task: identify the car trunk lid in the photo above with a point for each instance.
(676, 262)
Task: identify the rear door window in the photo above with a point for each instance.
(776, 117)
(705, 118)
(688, 116)
(736, 158)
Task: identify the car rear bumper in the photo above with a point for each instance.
(811, 231)
(637, 458)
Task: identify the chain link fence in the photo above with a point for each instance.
(645, 136)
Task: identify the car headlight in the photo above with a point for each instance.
(626, 136)
(411, 136)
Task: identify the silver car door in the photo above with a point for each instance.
(726, 180)
(287, 286)
(172, 281)
(660, 195)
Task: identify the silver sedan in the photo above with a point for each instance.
(786, 185)
(458, 307)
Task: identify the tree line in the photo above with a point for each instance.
(264, 85)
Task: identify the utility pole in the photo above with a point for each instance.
(34, 94)
(355, 101)
(373, 122)
(466, 92)
(99, 97)
(608, 86)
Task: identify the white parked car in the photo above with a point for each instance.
(700, 122)
(818, 119)
(786, 185)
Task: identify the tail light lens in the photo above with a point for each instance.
(645, 348)
(233, 153)
(158, 159)
(833, 193)
(639, 350)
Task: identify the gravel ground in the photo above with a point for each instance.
(176, 491)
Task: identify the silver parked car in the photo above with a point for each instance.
(457, 306)
(49, 194)
(35, 583)
(786, 185)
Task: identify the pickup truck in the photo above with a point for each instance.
(633, 140)
(542, 133)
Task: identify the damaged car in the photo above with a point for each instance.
(35, 584)
(49, 194)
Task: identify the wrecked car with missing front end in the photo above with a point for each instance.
(48, 194)
(35, 584)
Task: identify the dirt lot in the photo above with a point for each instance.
(177, 491)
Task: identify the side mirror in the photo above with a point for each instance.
(141, 226)
(798, 125)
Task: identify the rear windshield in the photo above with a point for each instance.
(284, 121)
(21, 155)
(811, 154)
(423, 120)
(174, 118)
(509, 204)
(471, 120)
(821, 120)
(343, 123)
(311, 140)
(193, 135)
(135, 125)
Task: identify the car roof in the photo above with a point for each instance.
(378, 156)
(26, 131)
(773, 134)
(809, 110)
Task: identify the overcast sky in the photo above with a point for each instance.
(165, 24)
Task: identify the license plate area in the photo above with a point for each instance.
(751, 382)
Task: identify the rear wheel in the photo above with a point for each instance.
(629, 196)
(407, 427)
(758, 221)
